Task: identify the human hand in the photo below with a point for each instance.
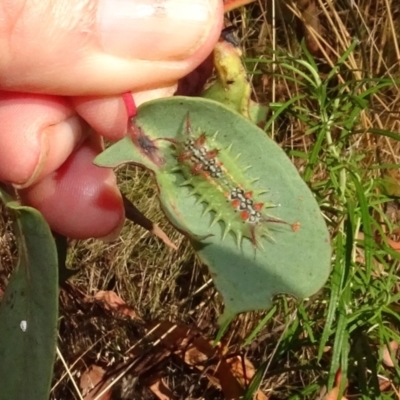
(64, 65)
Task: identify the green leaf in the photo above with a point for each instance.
(258, 113)
(297, 263)
(232, 87)
(29, 311)
(279, 108)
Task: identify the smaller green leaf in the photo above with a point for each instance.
(29, 311)
(232, 87)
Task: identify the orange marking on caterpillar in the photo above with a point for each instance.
(200, 140)
(296, 226)
(212, 154)
(258, 206)
(244, 215)
(236, 203)
(185, 155)
(197, 168)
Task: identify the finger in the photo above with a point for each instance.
(103, 47)
(108, 116)
(37, 134)
(79, 200)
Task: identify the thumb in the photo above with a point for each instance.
(103, 47)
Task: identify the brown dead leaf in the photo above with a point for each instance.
(393, 244)
(198, 352)
(161, 390)
(384, 385)
(113, 302)
(244, 370)
(333, 394)
(311, 26)
(92, 383)
(386, 350)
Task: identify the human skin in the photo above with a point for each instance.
(64, 65)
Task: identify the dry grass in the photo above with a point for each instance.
(164, 285)
(7, 247)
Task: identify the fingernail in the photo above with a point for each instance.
(57, 143)
(148, 95)
(154, 30)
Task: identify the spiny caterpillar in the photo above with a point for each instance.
(219, 182)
